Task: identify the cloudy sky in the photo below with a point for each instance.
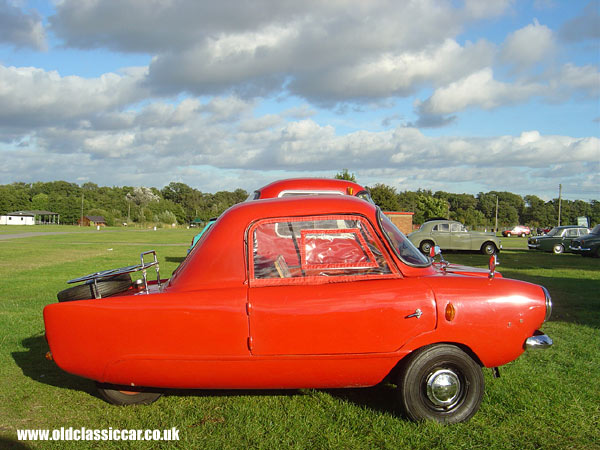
(454, 95)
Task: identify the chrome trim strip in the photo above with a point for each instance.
(579, 248)
(548, 304)
(538, 341)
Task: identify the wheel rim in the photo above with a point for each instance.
(558, 249)
(443, 388)
(426, 247)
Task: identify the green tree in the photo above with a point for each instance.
(345, 175)
(385, 197)
(429, 207)
(40, 202)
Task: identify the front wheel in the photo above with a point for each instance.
(488, 248)
(124, 395)
(558, 249)
(440, 383)
(426, 247)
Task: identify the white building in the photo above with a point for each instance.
(30, 218)
(18, 218)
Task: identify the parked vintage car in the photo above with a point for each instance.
(587, 245)
(558, 239)
(452, 235)
(518, 230)
(323, 292)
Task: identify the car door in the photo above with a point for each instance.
(333, 290)
(459, 237)
(571, 233)
(441, 235)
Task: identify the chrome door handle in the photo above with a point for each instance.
(416, 314)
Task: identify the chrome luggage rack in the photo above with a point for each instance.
(123, 270)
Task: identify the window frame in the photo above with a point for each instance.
(320, 279)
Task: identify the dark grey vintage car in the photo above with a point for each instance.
(558, 239)
(588, 245)
(453, 235)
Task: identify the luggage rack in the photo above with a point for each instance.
(110, 273)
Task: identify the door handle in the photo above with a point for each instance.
(416, 314)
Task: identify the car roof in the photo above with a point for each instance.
(434, 221)
(275, 188)
(247, 212)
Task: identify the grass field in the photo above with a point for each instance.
(544, 400)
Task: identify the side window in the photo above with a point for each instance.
(458, 228)
(441, 227)
(305, 248)
(572, 232)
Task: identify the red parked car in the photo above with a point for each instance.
(321, 292)
(518, 230)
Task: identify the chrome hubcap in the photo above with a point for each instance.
(443, 388)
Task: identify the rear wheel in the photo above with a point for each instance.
(508, 234)
(440, 383)
(105, 287)
(124, 395)
(558, 249)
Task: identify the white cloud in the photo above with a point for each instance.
(164, 142)
(529, 45)
(584, 26)
(30, 97)
(327, 52)
(584, 80)
(195, 114)
(21, 29)
(477, 90)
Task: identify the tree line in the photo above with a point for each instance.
(181, 204)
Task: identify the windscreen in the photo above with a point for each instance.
(402, 246)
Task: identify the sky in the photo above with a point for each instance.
(453, 95)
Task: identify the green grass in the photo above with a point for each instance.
(513, 242)
(543, 400)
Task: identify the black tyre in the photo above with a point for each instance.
(558, 249)
(106, 287)
(124, 395)
(440, 383)
(426, 247)
(508, 234)
(488, 248)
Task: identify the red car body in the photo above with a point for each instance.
(303, 292)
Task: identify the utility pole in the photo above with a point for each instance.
(81, 221)
(559, 201)
(496, 214)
